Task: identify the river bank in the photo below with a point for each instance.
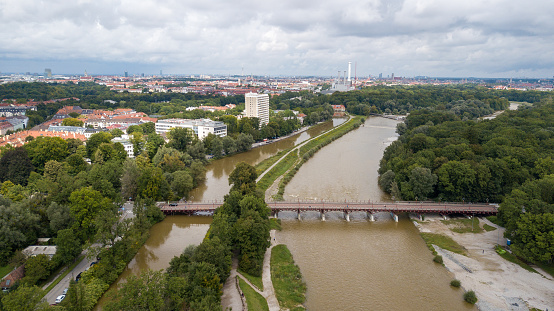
(499, 284)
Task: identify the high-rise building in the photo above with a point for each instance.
(257, 106)
(126, 74)
(48, 73)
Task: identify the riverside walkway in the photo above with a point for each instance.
(479, 209)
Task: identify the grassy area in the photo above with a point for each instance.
(256, 280)
(548, 268)
(254, 301)
(494, 219)
(265, 164)
(442, 241)
(463, 225)
(488, 228)
(278, 170)
(5, 270)
(287, 279)
(512, 258)
(66, 272)
(275, 224)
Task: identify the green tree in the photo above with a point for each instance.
(143, 292)
(243, 178)
(154, 142)
(116, 132)
(95, 141)
(129, 179)
(422, 182)
(534, 237)
(37, 268)
(72, 122)
(59, 216)
(148, 128)
(15, 166)
(134, 128)
(386, 180)
(44, 149)
(85, 205)
(25, 298)
(68, 246)
(182, 183)
(181, 138)
(215, 252)
(137, 139)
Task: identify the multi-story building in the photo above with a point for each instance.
(201, 127)
(257, 106)
(126, 142)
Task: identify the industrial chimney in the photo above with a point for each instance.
(349, 70)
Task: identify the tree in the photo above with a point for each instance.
(229, 145)
(18, 227)
(59, 216)
(116, 132)
(422, 182)
(85, 205)
(243, 178)
(244, 142)
(134, 128)
(44, 149)
(182, 183)
(154, 142)
(534, 237)
(148, 128)
(215, 252)
(143, 292)
(68, 246)
(197, 151)
(129, 179)
(137, 140)
(181, 138)
(216, 147)
(72, 122)
(76, 164)
(95, 141)
(385, 180)
(25, 298)
(37, 268)
(15, 166)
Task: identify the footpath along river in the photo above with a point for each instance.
(347, 266)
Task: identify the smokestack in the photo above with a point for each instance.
(349, 70)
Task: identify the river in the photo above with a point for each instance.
(357, 265)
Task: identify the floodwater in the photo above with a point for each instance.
(361, 265)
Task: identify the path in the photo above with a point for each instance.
(297, 147)
(269, 291)
(231, 297)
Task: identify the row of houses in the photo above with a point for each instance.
(13, 123)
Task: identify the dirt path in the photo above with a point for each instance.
(269, 291)
(499, 284)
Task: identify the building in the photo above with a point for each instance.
(10, 279)
(201, 127)
(11, 111)
(34, 250)
(257, 106)
(126, 142)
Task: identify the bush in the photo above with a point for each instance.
(455, 283)
(470, 297)
(438, 259)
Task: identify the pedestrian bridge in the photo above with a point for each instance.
(469, 209)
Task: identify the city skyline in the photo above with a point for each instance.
(494, 39)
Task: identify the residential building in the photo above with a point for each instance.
(10, 279)
(201, 127)
(257, 106)
(126, 142)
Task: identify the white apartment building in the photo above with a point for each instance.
(201, 127)
(126, 142)
(257, 106)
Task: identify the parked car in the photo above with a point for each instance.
(59, 298)
(65, 291)
(78, 277)
(173, 204)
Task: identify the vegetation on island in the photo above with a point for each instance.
(254, 301)
(290, 289)
(506, 160)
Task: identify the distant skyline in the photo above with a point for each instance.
(437, 38)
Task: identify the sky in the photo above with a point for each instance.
(437, 38)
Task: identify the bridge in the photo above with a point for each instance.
(394, 208)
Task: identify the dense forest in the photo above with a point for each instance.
(508, 160)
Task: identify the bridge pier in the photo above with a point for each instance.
(299, 218)
(394, 216)
(322, 216)
(347, 216)
(420, 217)
(370, 216)
(443, 216)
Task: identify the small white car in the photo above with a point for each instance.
(65, 291)
(60, 298)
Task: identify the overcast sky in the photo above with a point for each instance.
(439, 38)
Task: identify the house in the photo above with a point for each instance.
(14, 276)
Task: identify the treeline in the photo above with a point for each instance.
(194, 280)
(508, 160)
(404, 99)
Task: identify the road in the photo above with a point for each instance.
(83, 265)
